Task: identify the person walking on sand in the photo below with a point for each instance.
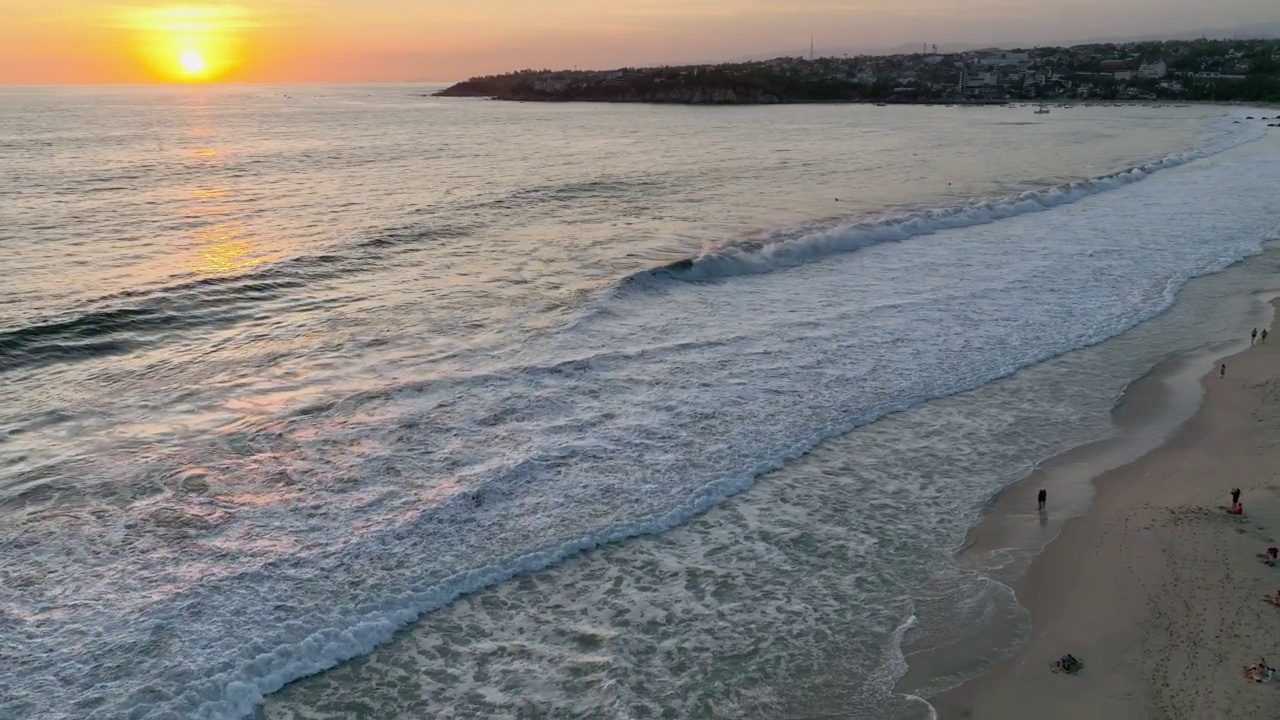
(1264, 335)
(1041, 498)
(1222, 371)
(1254, 337)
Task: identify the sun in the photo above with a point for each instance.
(188, 43)
(192, 63)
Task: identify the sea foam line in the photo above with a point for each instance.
(730, 258)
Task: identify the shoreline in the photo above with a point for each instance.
(1008, 537)
(1139, 521)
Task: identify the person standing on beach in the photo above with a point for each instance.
(1222, 371)
(1235, 497)
(1264, 335)
(1042, 497)
(1254, 337)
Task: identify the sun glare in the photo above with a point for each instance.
(190, 43)
(192, 63)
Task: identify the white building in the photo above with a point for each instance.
(551, 83)
(1157, 69)
(1216, 76)
(981, 80)
(978, 81)
(1005, 59)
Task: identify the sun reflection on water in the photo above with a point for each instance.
(221, 248)
(226, 249)
(211, 193)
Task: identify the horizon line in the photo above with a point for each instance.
(216, 83)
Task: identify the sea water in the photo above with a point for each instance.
(643, 411)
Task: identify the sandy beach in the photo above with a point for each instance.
(1157, 589)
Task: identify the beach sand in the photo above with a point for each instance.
(1157, 589)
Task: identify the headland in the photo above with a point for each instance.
(1192, 71)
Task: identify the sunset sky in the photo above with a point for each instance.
(89, 41)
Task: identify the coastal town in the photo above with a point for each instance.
(1202, 70)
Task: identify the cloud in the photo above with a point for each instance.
(184, 18)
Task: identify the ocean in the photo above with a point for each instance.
(347, 401)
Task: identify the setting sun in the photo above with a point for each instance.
(192, 63)
(188, 43)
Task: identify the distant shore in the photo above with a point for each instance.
(697, 99)
(1058, 104)
(1170, 71)
(651, 101)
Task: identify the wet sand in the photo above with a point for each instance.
(1156, 588)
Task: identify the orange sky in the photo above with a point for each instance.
(90, 41)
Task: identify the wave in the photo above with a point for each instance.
(784, 250)
(134, 318)
(121, 330)
(553, 197)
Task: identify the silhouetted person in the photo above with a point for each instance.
(1235, 497)
(1222, 371)
(1264, 334)
(1041, 498)
(1254, 337)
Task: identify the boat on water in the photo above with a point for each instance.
(1043, 109)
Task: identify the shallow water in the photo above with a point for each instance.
(334, 358)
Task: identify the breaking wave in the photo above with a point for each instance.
(788, 249)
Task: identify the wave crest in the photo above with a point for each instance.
(781, 251)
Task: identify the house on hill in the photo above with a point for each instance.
(1157, 69)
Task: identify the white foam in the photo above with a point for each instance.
(897, 664)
